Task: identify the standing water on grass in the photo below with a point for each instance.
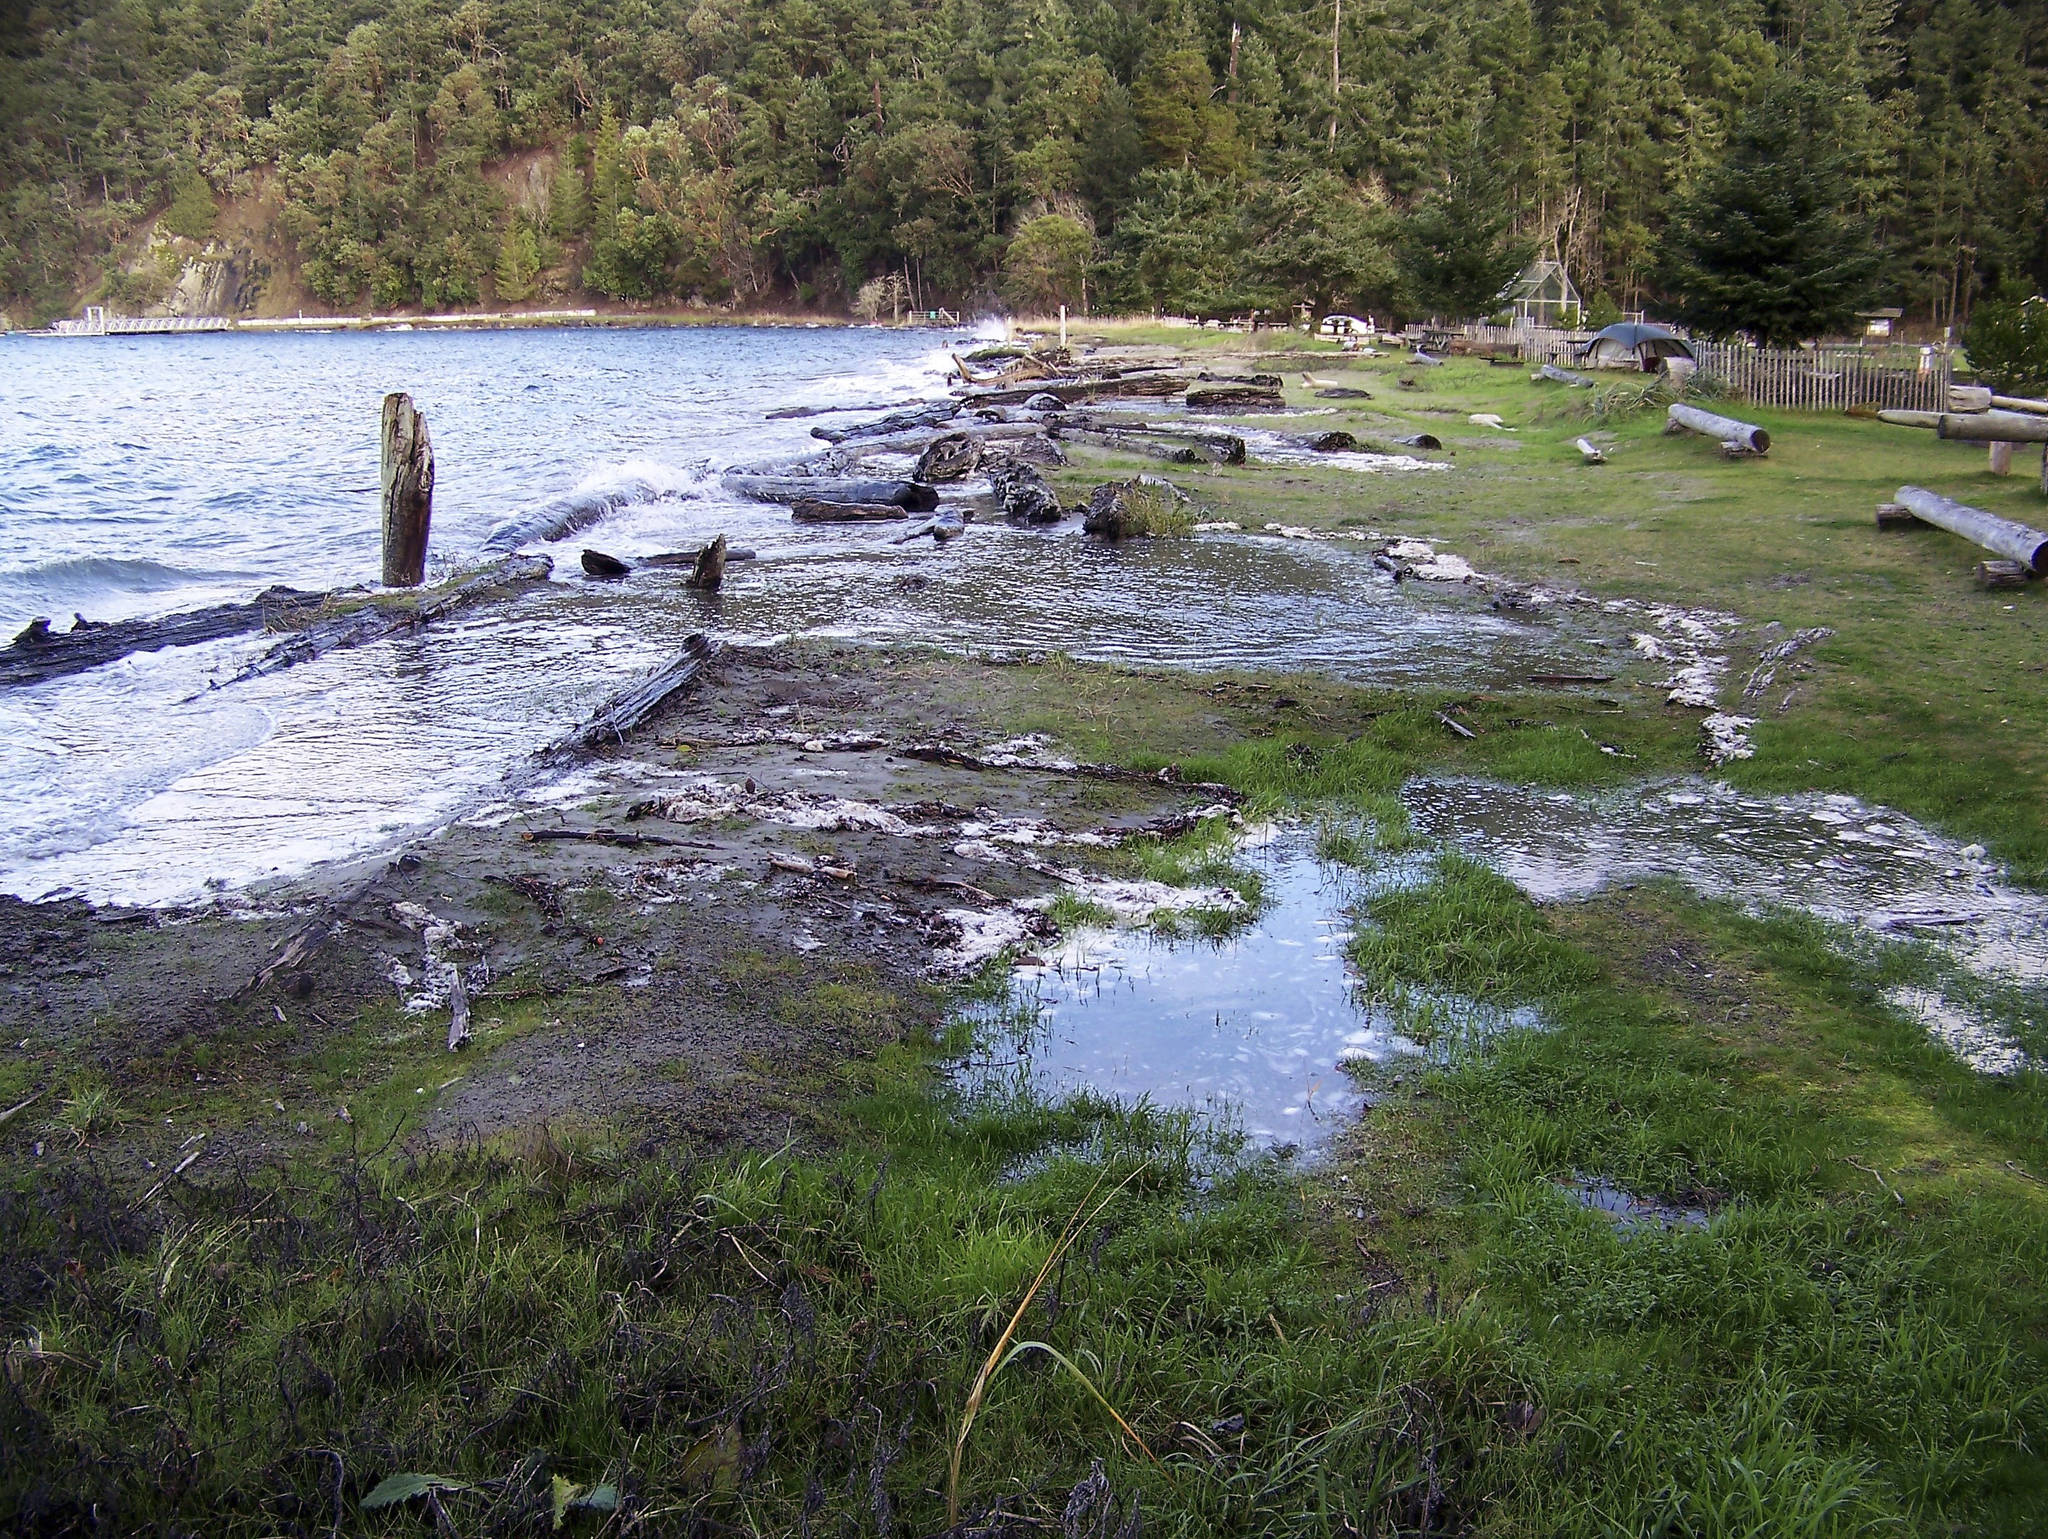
(148, 475)
(1252, 1030)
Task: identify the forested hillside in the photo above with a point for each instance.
(1396, 154)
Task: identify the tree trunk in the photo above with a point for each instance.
(408, 485)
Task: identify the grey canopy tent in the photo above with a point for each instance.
(1633, 345)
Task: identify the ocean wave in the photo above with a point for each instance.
(597, 496)
(77, 580)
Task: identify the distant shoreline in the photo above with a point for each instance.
(539, 320)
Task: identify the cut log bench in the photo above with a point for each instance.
(2021, 552)
(1738, 440)
(2001, 429)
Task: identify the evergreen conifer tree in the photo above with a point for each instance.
(1763, 246)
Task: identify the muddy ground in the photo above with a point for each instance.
(797, 901)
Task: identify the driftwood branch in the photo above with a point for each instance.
(626, 710)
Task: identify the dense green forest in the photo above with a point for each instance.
(1191, 155)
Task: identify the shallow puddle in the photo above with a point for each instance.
(1831, 856)
(1253, 1030)
(1631, 1213)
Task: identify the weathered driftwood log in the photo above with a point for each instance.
(786, 413)
(809, 510)
(1747, 437)
(1265, 381)
(1895, 515)
(374, 621)
(41, 653)
(1969, 398)
(1131, 443)
(1343, 393)
(1222, 397)
(597, 564)
(941, 527)
(1998, 573)
(1563, 376)
(1044, 400)
(2000, 461)
(1021, 492)
(1215, 444)
(2020, 403)
(627, 709)
(948, 459)
(1590, 452)
(2000, 536)
(1419, 356)
(408, 491)
(895, 422)
(708, 576)
(790, 489)
(1074, 391)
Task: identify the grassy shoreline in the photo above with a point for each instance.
(628, 1324)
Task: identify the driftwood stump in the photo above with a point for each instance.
(408, 483)
(709, 574)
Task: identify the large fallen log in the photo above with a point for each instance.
(809, 510)
(1074, 391)
(1564, 376)
(2000, 536)
(41, 653)
(375, 621)
(791, 489)
(627, 709)
(1222, 397)
(895, 422)
(1213, 443)
(1133, 443)
(1744, 437)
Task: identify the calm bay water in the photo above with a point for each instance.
(148, 475)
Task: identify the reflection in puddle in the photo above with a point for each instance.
(1253, 1030)
(1832, 856)
(1632, 1213)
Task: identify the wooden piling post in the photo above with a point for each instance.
(2001, 458)
(408, 487)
